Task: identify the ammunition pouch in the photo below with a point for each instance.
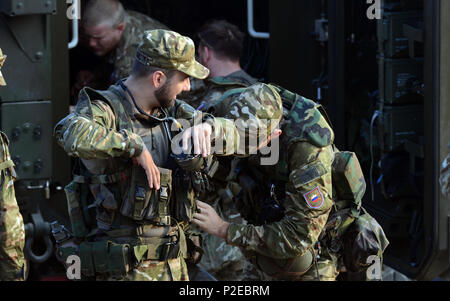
(111, 259)
(139, 202)
(105, 257)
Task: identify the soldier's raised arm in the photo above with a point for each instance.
(89, 133)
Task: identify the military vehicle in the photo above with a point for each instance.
(381, 80)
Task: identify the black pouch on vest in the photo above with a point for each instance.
(142, 203)
(105, 257)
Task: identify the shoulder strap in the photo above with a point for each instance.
(113, 99)
(289, 98)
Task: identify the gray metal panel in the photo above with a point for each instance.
(402, 123)
(397, 79)
(27, 7)
(391, 39)
(29, 128)
(27, 71)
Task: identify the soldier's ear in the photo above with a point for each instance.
(204, 53)
(121, 27)
(158, 79)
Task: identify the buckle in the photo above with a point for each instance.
(170, 250)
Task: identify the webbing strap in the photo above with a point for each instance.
(99, 179)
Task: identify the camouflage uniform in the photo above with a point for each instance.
(225, 262)
(12, 231)
(204, 93)
(284, 247)
(106, 132)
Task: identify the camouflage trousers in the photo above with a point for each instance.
(148, 270)
(225, 262)
(12, 231)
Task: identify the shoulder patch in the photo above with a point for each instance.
(314, 198)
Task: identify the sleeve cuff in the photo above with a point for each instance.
(135, 146)
(235, 234)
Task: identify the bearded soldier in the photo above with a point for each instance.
(130, 202)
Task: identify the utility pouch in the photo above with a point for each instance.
(105, 257)
(364, 238)
(184, 205)
(348, 178)
(158, 210)
(142, 203)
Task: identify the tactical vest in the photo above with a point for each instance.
(154, 221)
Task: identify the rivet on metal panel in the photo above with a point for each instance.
(39, 55)
(27, 165)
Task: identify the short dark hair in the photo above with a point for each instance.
(224, 38)
(140, 70)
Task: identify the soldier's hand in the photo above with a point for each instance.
(201, 137)
(210, 221)
(153, 175)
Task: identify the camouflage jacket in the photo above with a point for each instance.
(301, 181)
(99, 135)
(12, 232)
(204, 93)
(123, 56)
(89, 133)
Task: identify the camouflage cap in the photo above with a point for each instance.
(2, 60)
(258, 102)
(257, 112)
(170, 50)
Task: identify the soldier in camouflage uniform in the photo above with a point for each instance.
(287, 205)
(113, 33)
(140, 232)
(220, 47)
(12, 231)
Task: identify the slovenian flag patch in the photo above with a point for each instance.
(314, 198)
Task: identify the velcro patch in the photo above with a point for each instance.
(314, 198)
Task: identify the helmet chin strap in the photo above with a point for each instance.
(164, 120)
